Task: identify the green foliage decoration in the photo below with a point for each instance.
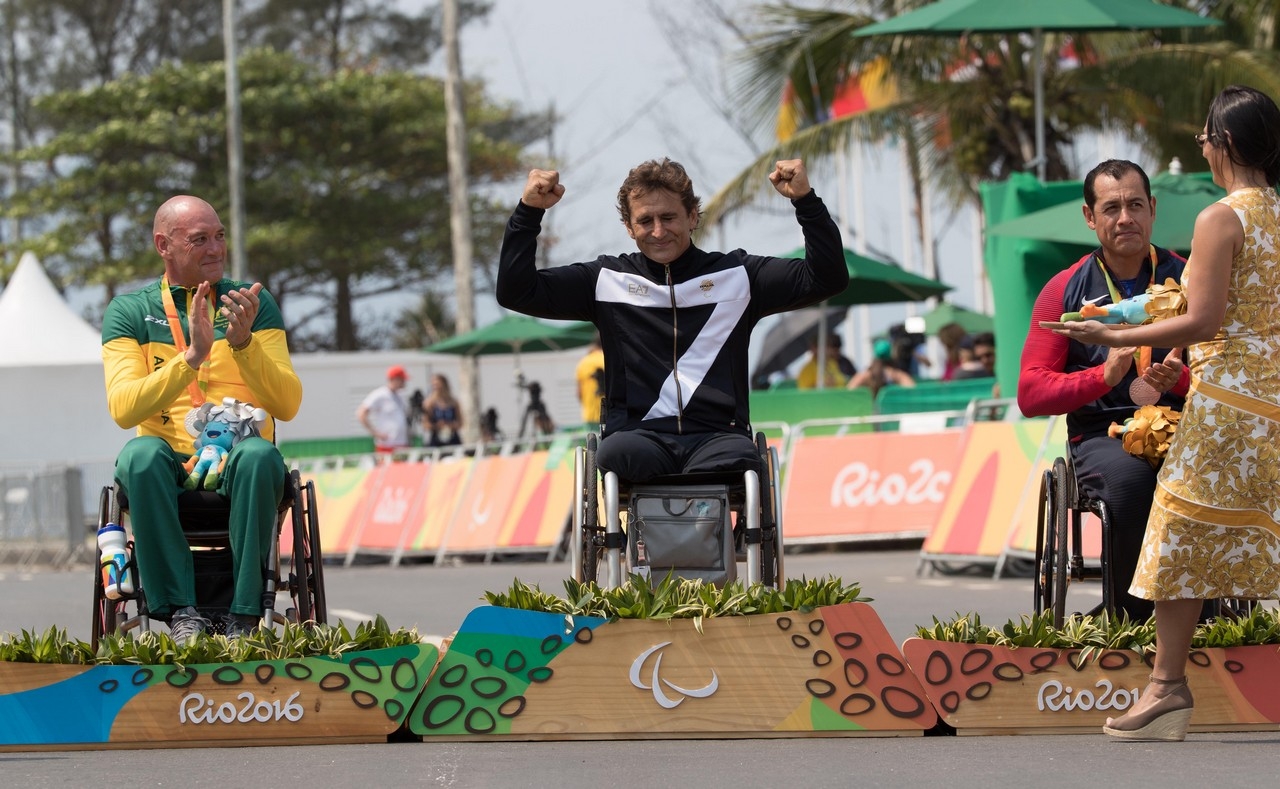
(678, 598)
(150, 648)
(1093, 634)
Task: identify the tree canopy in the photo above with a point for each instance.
(963, 105)
(346, 194)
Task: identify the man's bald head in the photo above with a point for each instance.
(191, 240)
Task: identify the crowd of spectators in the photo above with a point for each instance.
(898, 359)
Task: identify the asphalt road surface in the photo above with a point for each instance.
(436, 599)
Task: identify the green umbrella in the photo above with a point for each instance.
(874, 282)
(516, 333)
(1179, 199)
(513, 334)
(957, 17)
(972, 322)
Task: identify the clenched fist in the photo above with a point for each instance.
(543, 189)
(790, 179)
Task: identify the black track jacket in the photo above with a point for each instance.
(675, 338)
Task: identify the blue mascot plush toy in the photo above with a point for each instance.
(217, 429)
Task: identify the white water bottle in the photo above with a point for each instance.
(113, 551)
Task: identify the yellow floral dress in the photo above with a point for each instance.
(1214, 529)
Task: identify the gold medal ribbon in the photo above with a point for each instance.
(198, 387)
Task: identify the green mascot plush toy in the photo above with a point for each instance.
(217, 428)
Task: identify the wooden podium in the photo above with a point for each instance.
(361, 697)
(982, 689)
(537, 676)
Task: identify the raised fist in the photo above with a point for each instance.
(790, 178)
(543, 189)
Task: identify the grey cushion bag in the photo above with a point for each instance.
(684, 530)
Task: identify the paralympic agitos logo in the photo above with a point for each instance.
(656, 683)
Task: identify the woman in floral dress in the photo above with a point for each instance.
(1214, 529)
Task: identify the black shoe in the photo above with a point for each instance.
(237, 625)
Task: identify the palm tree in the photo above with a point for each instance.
(964, 107)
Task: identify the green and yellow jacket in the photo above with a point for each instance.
(148, 379)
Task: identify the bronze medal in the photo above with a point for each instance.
(1143, 393)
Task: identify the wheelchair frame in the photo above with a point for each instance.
(1055, 567)
(1061, 515)
(304, 582)
(757, 525)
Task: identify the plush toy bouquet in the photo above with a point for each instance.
(1148, 432)
(217, 428)
(1157, 302)
(1160, 300)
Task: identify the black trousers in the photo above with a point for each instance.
(641, 455)
(1127, 484)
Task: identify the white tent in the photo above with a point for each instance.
(53, 401)
(38, 325)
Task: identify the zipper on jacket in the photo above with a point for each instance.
(675, 354)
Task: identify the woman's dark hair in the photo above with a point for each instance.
(1245, 122)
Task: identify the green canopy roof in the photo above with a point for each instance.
(516, 334)
(874, 282)
(1179, 199)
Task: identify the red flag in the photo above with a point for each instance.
(869, 89)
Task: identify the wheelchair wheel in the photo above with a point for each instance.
(1043, 573)
(1054, 565)
(592, 533)
(1060, 526)
(106, 612)
(770, 548)
(1051, 544)
(306, 581)
(320, 607)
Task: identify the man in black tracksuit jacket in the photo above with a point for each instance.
(674, 321)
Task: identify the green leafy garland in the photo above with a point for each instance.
(151, 648)
(1092, 634)
(678, 598)
(671, 598)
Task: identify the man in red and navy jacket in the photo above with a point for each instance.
(1095, 386)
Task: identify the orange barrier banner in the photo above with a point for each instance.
(868, 484)
(339, 493)
(992, 478)
(1022, 534)
(541, 501)
(484, 505)
(444, 490)
(393, 505)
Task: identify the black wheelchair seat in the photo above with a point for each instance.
(750, 507)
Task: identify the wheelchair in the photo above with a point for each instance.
(1060, 556)
(204, 517)
(749, 499)
(1059, 542)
